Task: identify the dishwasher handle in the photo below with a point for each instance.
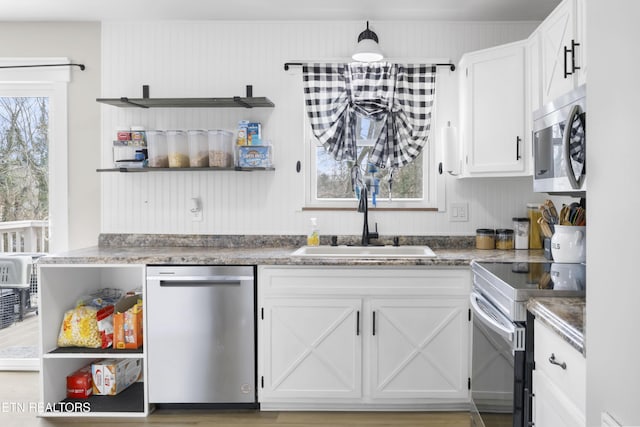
(198, 281)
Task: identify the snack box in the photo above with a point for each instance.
(80, 384)
(111, 376)
(254, 134)
(254, 156)
(127, 323)
(241, 138)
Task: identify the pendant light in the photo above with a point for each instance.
(367, 49)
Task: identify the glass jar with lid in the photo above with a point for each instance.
(485, 238)
(504, 238)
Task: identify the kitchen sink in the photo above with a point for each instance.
(364, 252)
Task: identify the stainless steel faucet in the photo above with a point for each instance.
(363, 207)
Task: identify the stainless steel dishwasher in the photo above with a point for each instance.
(201, 334)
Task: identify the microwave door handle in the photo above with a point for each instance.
(502, 330)
(566, 146)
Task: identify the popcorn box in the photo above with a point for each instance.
(79, 383)
(111, 376)
(252, 156)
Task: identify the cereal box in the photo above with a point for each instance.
(254, 134)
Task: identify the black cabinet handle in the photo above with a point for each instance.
(573, 56)
(567, 73)
(553, 361)
(374, 323)
(358, 323)
(518, 140)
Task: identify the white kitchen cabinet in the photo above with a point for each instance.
(559, 388)
(418, 348)
(563, 49)
(357, 338)
(494, 139)
(314, 347)
(60, 288)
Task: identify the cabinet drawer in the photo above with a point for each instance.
(572, 379)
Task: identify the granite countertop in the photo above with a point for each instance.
(565, 316)
(271, 255)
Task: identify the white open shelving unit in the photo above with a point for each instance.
(61, 285)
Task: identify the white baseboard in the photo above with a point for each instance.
(19, 364)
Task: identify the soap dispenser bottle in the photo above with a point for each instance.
(313, 239)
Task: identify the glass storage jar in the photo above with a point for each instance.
(485, 238)
(504, 238)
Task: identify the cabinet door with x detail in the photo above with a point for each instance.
(313, 348)
(418, 348)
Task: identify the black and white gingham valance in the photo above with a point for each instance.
(399, 95)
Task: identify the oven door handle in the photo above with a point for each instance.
(488, 317)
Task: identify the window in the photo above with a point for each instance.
(328, 182)
(49, 83)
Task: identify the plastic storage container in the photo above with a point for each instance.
(535, 235)
(521, 233)
(198, 148)
(220, 148)
(485, 238)
(178, 149)
(504, 238)
(157, 148)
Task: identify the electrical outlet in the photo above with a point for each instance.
(195, 208)
(459, 211)
(196, 216)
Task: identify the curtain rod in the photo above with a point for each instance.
(81, 66)
(299, 64)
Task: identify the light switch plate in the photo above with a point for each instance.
(459, 211)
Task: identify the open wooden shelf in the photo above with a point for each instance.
(233, 102)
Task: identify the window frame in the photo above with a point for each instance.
(48, 82)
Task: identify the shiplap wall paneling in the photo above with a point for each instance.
(218, 59)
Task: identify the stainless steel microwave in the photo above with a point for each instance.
(559, 145)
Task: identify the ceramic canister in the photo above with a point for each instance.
(568, 243)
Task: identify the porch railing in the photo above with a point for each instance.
(24, 236)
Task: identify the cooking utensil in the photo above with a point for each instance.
(545, 227)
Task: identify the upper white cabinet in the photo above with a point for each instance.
(562, 48)
(357, 338)
(494, 137)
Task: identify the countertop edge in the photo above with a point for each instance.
(273, 256)
(560, 315)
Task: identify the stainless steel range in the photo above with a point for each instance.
(502, 356)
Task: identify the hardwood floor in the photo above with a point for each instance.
(19, 389)
(19, 348)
